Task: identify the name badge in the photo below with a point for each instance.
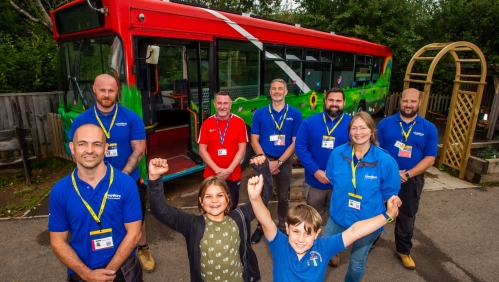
(399, 145)
(328, 142)
(112, 150)
(405, 152)
(281, 140)
(222, 152)
(274, 137)
(354, 204)
(102, 239)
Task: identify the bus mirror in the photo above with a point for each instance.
(152, 54)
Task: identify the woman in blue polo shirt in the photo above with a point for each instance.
(363, 176)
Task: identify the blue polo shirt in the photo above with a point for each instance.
(127, 127)
(311, 267)
(423, 138)
(308, 145)
(264, 126)
(68, 213)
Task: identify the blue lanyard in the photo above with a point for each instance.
(222, 137)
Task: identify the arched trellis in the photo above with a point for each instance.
(465, 105)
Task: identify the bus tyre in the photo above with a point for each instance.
(362, 107)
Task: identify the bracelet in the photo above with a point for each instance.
(388, 218)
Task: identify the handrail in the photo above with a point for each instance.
(195, 123)
(156, 74)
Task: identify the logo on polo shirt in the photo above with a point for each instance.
(114, 197)
(314, 259)
(289, 118)
(121, 124)
(371, 177)
(418, 133)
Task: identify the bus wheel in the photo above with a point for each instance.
(249, 150)
(362, 107)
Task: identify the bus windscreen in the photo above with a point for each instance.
(78, 18)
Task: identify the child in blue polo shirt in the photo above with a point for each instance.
(302, 256)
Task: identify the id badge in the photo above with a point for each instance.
(281, 140)
(112, 150)
(328, 142)
(274, 137)
(222, 152)
(399, 145)
(354, 204)
(102, 239)
(406, 152)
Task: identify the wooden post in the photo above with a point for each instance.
(494, 110)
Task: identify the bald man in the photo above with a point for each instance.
(412, 141)
(126, 137)
(100, 207)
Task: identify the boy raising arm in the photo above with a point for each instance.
(302, 256)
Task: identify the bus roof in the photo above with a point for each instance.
(202, 23)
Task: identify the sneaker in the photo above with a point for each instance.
(407, 261)
(335, 261)
(145, 258)
(257, 235)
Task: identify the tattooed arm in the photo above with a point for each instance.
(138, 149)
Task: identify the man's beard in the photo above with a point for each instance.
(332, 113)
(413, 113)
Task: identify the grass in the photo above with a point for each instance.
(18, 197)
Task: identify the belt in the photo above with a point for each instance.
(272, 157)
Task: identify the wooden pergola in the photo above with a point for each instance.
(465, 104)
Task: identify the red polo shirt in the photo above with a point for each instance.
(211, 136)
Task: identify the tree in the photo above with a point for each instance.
(36, 11)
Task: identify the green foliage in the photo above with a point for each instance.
(488, 153)
(452, 171)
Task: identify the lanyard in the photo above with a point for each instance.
(354, 170)
(108, 133)
(222, 137)
(334, 127)
(279, 127)
(406, 134)
(103, 204)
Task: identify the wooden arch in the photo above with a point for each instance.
(465, 104)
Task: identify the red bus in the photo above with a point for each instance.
(169, 59)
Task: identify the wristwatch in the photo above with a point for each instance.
(279, 162)
(388, 218)
(407, 175)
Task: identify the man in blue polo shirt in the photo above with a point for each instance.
(273, 133)
(318, 135)
(412, 141)
(100, 207)
(125, 135)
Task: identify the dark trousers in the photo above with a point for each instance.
(130, 271)
(234, 191)
(410, 193)
(142, 194)
(282, 181)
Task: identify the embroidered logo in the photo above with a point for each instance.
(113, 197)
(371, 177)
(315, 258)
(289, 118)
(418, 133)
(121, 124)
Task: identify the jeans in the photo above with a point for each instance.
(360, 250)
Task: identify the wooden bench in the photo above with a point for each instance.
(17, 139)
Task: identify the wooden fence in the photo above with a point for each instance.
(34, 109)
(437, 103)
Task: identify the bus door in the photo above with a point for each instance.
(178, 107)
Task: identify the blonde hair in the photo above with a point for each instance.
(217, 181)
(370, 124)
(307, 215)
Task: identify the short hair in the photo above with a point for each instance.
(217, 181)
(307, 215)
(222, 93)
(281, 81)
(370, 124)
(89, 125)
(335, 90)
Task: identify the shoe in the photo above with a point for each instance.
(145, 258)
(257, 235)
(407, 261)
(335, 261)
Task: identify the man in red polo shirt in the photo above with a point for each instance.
(222, 145)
